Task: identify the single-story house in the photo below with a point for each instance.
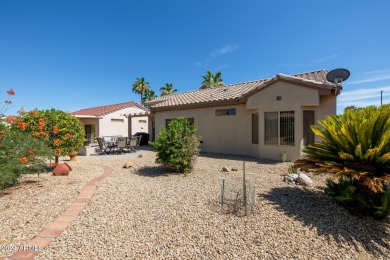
(268, 118)
(111, 120)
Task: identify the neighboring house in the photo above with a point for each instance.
(264, 118)
(111, 120)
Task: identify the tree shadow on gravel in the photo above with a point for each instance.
(316, 210)
(155, 171)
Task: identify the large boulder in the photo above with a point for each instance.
(304, 180)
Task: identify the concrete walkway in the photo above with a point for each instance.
(54, 229)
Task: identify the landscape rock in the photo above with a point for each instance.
(234, 169)
(128, 165)
(225, 169)
(291, 178)
(304, 180)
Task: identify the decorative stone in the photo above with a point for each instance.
(128, 165)
(62, 169)
(291, 177)
(304, 180)
(225, 169)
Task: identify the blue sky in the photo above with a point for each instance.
(78, 54)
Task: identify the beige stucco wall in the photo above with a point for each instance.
(117, 124)
(109, 127)
(233, 134)
(220, 134)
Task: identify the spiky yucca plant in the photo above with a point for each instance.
(356, 145)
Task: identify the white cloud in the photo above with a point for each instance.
(217, 53)
(376, 72)
(371, 79)
(322, 59)
(225, 49)
(224, 66)
(363, 97)
(305, 63)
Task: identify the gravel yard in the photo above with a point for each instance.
(148, 213)
(27, 208)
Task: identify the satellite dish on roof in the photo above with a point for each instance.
(337, 76)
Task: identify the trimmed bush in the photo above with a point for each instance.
(177, 145)
(356, 149)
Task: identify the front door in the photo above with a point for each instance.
(90, 132)
(308, 120)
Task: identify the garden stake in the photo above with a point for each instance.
(244, 189)
(222, 192)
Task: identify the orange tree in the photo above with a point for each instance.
(61, 131)
(20, 153)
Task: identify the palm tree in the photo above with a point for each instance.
(148, 95)
(140, 86)
(210, 80)
(167, 89)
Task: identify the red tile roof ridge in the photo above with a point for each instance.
(107, 109)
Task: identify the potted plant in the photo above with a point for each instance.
(72, 156)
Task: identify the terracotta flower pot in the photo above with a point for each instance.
(62, 169)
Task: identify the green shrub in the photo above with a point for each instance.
(293, 170)
(20, 153)
(177, 145)
(356, 148)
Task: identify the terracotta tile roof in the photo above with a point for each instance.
(104, 110)
(236, 91)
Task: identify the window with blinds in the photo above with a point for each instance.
(287, 128)
(271, 128)
(255, 128)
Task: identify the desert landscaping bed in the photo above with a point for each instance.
(144, 212)
(27, 208)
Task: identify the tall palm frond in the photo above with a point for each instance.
(148, 95)
(140, 86)
(210, 80)
(167, 89)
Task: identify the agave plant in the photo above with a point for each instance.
(356, 145)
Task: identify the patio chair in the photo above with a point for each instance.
(132, 145)
(139, 140)
(122, 144)
(102, 145)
